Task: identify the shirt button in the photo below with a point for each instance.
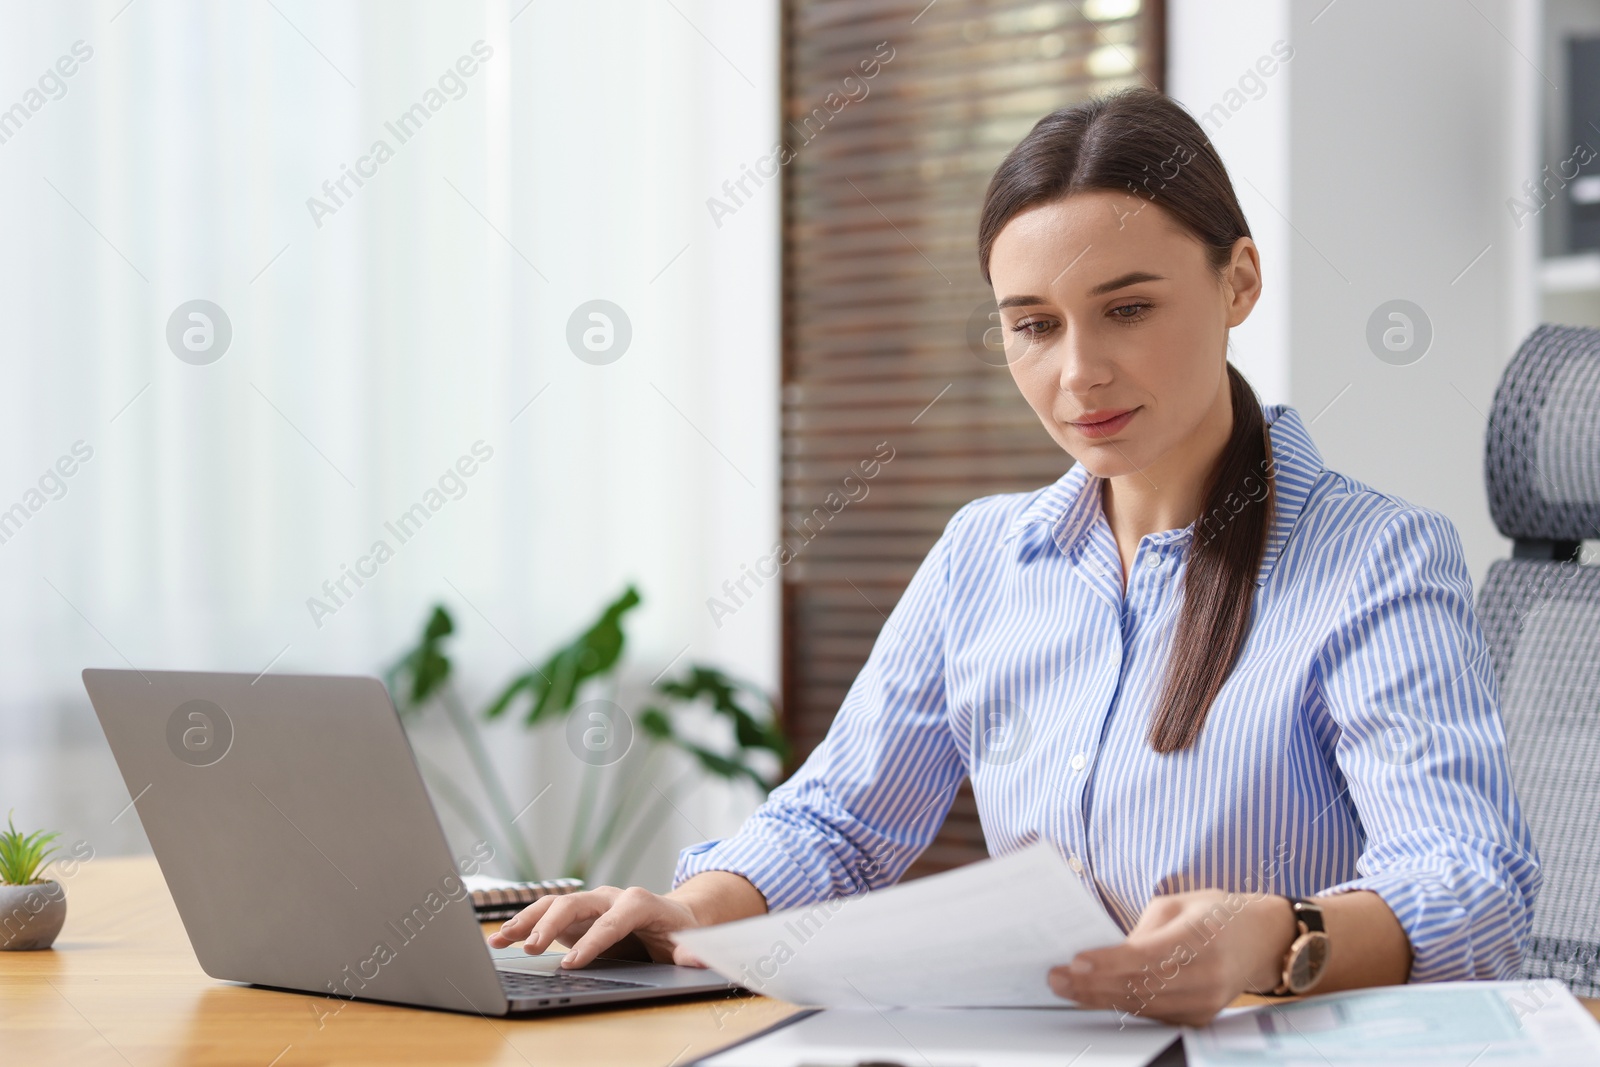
(1078, 762)
(1076, 864)
(1152, 560)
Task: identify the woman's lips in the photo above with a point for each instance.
(1104, 427)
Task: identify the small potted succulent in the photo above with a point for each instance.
(32, 908)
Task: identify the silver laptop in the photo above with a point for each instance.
(296, 835)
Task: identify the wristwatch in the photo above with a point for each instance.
(1307, 959)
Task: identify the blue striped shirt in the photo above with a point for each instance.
(1357, 743)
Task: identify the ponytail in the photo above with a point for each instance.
(1219, 582)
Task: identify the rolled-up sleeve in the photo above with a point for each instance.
(875, 791)
(1408, 680)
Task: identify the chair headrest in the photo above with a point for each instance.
(1542, 448)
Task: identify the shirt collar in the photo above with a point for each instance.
(1066, 509)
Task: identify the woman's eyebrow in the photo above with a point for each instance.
(1131, 278)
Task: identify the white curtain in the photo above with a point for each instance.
(392, 310)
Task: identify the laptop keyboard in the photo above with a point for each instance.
(519, 984)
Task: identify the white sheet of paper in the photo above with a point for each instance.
(983, 935)
(954, 1037)
(1507, 1024)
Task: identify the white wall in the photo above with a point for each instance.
(1388, 144)
(1213, 50)
(1398, 154)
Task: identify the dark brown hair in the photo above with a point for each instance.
(1142, 141)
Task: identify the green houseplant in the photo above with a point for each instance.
(32, 908)
(618, 807)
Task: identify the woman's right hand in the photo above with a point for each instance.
(594, 920)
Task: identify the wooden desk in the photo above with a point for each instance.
(122, 987)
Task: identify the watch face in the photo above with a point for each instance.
(1310, 958)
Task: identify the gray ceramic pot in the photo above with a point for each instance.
(31, 915)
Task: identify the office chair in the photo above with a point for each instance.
(1540, 611)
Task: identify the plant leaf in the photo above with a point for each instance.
(723, 694)
(753, 730)
(654, 722)
(23, 856)
(722, 766)
(419, 673)
(552, 688)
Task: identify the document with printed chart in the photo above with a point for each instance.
(1451, 1024)
(984, 935)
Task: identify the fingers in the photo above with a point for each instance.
(1138, 980)
(1179, 962)
(1123, 958)
(569, 917)
(1096, 977)
(1187, 1004)
(593, 921)
(545, 920)
(684, 958)
(516, 928)
(630, 909)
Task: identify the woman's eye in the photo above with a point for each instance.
(1129, 312)
(1033, 328)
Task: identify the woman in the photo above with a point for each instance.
(1238, 691)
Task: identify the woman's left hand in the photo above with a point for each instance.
(1188, 956)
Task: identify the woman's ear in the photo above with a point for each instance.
(1242, 280)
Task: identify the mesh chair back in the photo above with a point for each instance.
(1540, 611)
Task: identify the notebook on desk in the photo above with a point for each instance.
(497, 899)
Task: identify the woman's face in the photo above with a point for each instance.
(1109, 306)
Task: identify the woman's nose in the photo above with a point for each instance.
(1080, 369)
